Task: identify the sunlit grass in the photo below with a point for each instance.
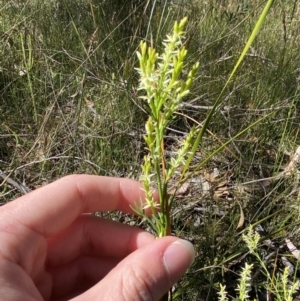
(69, 104)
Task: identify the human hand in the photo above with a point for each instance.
(50, 249)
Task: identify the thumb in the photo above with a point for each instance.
(146, 274)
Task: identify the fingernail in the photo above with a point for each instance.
(177, 258)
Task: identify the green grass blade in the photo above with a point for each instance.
(254, 33)
(183, 179)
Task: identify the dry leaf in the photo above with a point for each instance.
(223, 184)
(294, 162)
(295, 252)
(211, 177)
(183, 189)
(287, 264)
(242, 217)
(89, 103)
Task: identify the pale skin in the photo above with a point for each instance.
(52, 249)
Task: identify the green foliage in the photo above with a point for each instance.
(280, 286)
(69, 103)
(159, 77)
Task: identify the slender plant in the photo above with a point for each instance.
(279, 286)
(164, 84)
(28, 64)
(162, 80)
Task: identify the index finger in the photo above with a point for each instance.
(50, 209)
